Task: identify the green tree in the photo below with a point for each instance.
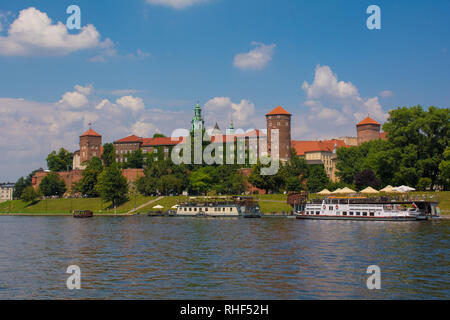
(135, 160)
(108, 155)
(202, 179)
(317, 178)
(444, 169)
(266, 182)
(87, 184)
(52, 185)
(61, 161)
(112, 185)
(29, 194)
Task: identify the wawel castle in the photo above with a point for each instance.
(315, 152)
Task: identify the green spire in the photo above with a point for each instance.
(197, 120)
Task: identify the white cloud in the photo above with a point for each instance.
(386, 94)
(31, 130)
(176, 4)
(335, 107)
(125, 92)
(256, 59)
(222, 108)
(33, 33)
(143, 129)
(77, 98)
(132, 103)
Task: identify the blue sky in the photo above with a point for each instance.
(238, 58)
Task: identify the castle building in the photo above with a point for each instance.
(90, 146)
(368, 130)
(279, 119)
(6, 191)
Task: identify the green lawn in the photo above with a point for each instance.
(65, 206)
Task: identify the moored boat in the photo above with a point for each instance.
(366, 209)
(219, 207)
(83, 214)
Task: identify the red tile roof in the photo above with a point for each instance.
(90, 133)
(161, 141)
(131, 138)
(302, 147)
(367, 120)
(278, 110)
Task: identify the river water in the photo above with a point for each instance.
(188, 258)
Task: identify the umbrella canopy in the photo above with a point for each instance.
(369, 190)
(158, 207)
(404, 189)
(347, 190)
(388, 188)
(337, 190)
(324, 191)
(175, 206)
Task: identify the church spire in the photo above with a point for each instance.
(197, 120)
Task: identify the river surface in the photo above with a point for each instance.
(189, 258)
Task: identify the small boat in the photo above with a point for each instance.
(364, 209)
(155, 214)
(83, 214)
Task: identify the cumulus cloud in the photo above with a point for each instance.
(176, 4)
(132, 103)
(220, 108)
(335, 107)
(256, 59)
(31, 130)
(33, 33)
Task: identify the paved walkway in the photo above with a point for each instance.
(144, 205)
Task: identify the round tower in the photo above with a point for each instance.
(368, 130)
(279, 119)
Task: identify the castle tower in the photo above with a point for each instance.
(279, 119)
(368, 130)
(90, 145)
(197, 120)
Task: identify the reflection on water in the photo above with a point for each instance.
(163, 258)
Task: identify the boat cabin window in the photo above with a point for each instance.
(331, 208)
(351, 213)
(344, 213)
(364, 213)
(372, 214)
(358, 213)
(317, 212)
(195, 209)
(206, 209)
(190, 209)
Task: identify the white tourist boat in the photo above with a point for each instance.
(219, 207)
(360, 208)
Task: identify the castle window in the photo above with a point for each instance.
(155, 151)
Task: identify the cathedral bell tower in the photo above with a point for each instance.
(197, 121)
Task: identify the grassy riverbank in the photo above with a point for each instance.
(65, 206)
(268, 203)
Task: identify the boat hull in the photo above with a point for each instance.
(311, 217)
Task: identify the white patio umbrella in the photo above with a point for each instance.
(324, 191)
(369, 190)
(337, 190)
(404, 189)
(388, 189)
(347, 190)
(175, 206)
(158, 207)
